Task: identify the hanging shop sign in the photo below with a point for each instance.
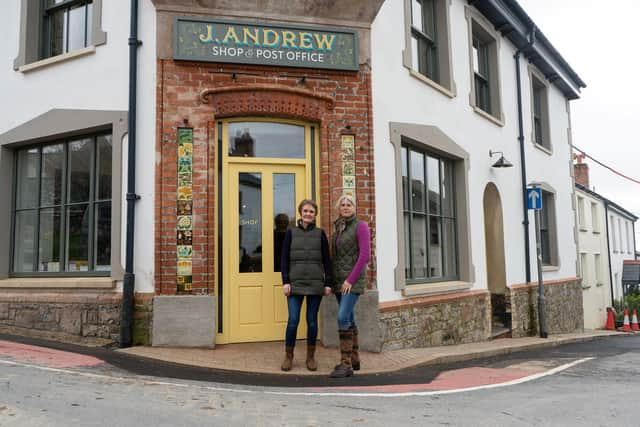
(251, 43)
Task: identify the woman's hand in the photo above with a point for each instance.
(327, 291)
(286, 288)
(346, 288)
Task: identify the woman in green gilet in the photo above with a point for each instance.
(306, 272)
(351, 252)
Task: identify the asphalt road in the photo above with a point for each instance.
(587, 384)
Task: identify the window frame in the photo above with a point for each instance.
(47, 13)
(431, 138)
(595, 218)
(483, 34)
(428, 215)
(443, 80)
(30, 52)
(582, 219)
(549, 225)
(65, 204)
(539, 87)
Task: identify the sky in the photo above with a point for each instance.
(599, 40)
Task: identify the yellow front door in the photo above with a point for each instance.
(261, 206)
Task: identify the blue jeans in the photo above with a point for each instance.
(346, 308)
(294, 304)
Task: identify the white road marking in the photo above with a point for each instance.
(313, 393)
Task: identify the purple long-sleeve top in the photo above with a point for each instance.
(363, 236)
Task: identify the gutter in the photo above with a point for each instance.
(523, 169)
(126, 321)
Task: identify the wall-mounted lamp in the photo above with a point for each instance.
(234, 76)
(502, 162)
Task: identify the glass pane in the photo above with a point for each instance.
(24, 244)
(103, 167)
(433, 181)
(89, 24)
(435, 247)
(419, 247)
(415, 54)
(263, 139)
(447, 189)
(27, 179)
(79, 170)
(78, 228)
(58, 22)
(405, 187)
(51, 181)
(407, 247)
(77, 27)
(250, 223)
(429, 19)
(417, 181)
(49, 240)
(416, 14)
(284, 212)
(102, 255)
(449, 248)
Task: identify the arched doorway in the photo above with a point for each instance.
(496, 273)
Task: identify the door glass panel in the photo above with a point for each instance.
(250, 222)
(263, 139)
(284, 212)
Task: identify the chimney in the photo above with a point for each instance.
(581, 170)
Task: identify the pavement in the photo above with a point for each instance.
(265, 358)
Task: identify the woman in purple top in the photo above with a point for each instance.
(351, 252)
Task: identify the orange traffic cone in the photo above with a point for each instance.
(611, 322)
(625, 326)
(634, 321)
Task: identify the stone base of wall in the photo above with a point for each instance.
(80, 314)
(366, 318)
(66, 315)
(563, 302)
(458, 318)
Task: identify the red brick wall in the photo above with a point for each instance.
(331, 99)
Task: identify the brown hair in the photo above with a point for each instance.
(307, 202)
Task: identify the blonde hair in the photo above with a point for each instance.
(347, 197)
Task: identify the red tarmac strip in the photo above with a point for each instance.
(450, 380)
(45, 356)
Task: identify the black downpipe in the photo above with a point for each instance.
(606, 226)
(126, 322)
(523, 169)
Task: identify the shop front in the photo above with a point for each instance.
(253, 117)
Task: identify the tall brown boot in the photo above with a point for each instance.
(287, 364)
(346, 348)
(355, 355)
(311, 362)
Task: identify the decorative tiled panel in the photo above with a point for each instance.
(348, 165)
(184, 223)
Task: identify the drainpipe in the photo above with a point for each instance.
(606, 222)
(523, 169)
(126, 321)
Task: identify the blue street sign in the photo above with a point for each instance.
(534, 198)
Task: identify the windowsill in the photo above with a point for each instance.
(550, 268)
(58, 283)
(426, 80)
(596, 231)
(543, 148)
(56, 59)
(424, 289)
(598, 285)
(488, 116)
(584, 288)
(583, 228)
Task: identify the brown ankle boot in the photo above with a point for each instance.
(355, 355)
(346, 348)
(311, 362)
(287, 364)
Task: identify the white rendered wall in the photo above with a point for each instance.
(399, 97)
(596, 295)
(96, 81)
(621, 250)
